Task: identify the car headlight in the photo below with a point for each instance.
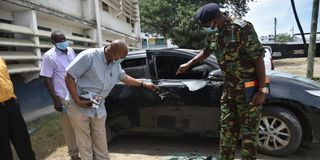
(314, 92)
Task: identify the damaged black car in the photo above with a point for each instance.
(189, 103)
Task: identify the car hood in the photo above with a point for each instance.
(296, 88)
(301, 80)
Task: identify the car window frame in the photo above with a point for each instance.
(176, 53)
(138, 56)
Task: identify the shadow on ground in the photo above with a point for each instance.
(172, 148)
(48, 143)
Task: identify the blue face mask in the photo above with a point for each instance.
(62, 45)
(118, 61)
(209, 29)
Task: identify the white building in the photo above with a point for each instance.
(268, 38)
(26, 25)
(155, 41)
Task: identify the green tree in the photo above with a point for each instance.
(284, 37)
(174, 19)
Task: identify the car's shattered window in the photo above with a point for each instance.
(136, 68)
(167, 67)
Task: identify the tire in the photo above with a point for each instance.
(280, 132)
(109, 133)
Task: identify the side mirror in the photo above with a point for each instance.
(215, 75)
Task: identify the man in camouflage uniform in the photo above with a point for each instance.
(240, 56)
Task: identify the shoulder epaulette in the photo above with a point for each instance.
(240, 22)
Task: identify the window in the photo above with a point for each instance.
(44, 28)
(45, 39)
(105, 7)
(5, 21)
(78, 34)
(144, 43)
(160, 41)
(132, 26)
(136, 68)
(78, 42)
(132, 23)
(6, 35)
(167, 67)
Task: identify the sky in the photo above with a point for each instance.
(263, 12)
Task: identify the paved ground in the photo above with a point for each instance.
(28, 117)
(174, 148)
(48, 141)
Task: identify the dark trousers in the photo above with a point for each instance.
(14, 129)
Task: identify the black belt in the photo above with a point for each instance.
(7, 102)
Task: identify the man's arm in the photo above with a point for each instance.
(46, 72)
(259, 98)
(71, 85)
(134, 82)
(260, 71)
(50, 87)
(199, 58)
(254, 51)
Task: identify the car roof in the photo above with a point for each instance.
(142, 53)
(153, 49)
(137, 52)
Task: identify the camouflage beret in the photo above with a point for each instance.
(207, 13)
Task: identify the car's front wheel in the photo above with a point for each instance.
(280, 132)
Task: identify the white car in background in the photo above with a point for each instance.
(268, 61)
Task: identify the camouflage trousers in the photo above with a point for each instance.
(237, 118)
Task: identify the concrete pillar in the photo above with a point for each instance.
(138, 28)
(98, 20)
(93, 34)
(88, 9)
(28, 18)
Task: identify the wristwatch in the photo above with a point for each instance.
(263, 90)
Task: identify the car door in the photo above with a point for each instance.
(177, 108)
(131, 108)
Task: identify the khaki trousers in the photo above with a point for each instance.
(68, 132)
(90, 134)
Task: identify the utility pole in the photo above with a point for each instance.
(292, 33)
(313, 36)
(275, 29)
(299, 26)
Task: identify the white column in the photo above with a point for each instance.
(28, 18)
(88, 9)
(98, 20)
(138, 28)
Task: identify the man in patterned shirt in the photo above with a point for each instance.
(240, 56)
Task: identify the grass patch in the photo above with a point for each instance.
(46, 135)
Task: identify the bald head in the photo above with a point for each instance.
(118, 47)
(116, 50)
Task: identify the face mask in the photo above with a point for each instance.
(118, 61)
(209, 29)
(62, 45)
